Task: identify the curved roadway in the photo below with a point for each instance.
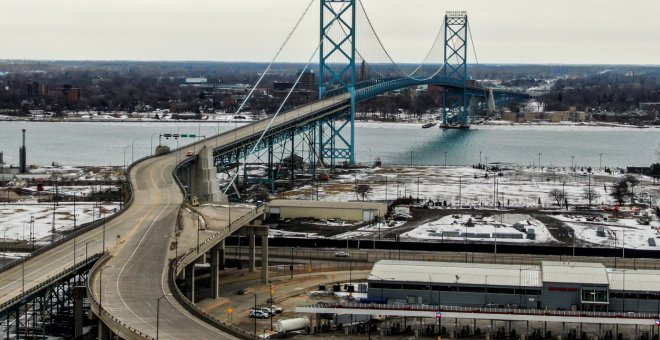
(135, 275)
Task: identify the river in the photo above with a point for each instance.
(93, 143)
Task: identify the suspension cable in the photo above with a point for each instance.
(279, 109)
(295, 27)
(406, 75)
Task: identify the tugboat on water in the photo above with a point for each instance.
(428, 125)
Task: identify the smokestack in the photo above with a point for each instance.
(22, 167)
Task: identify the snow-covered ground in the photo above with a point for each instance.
(517, 187)
(15, 218)
(163, 116)
(625, 232)
(489, 229)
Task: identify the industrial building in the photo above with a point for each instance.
(346, 211)
(552, 285)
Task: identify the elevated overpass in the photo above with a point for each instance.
(135, 277)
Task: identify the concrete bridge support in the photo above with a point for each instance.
(251, 260)
(103, 333)
(215, 265)
(222, 255)
(253, 232)
(201, 179)
(190, 282)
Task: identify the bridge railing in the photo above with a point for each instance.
(81, 230)
(176, 265)
(112, 322)
(25, 296)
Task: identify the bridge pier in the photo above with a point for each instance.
(222, 255)
(262, 232)
(215, 265)
(190, 282)
(264, 257)
(202, 179)
(251, 260)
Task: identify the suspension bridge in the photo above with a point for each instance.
(133, 288)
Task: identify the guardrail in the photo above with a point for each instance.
(208, 243)
(65, 273)
(84, 229)
(112, 322)
(484, 310)
(176, 265)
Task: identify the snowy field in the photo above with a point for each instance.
(15, 218)
(27, 219)
(517, 187)
(625, 232)
(507, 228)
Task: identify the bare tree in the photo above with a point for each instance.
(590, 194)
(620, 191)
(557, 195)
(632, 183)
(362, 190)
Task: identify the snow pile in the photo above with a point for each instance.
(507, 228)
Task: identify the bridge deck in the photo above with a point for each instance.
(136, 274)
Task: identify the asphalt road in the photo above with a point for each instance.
(135, 276)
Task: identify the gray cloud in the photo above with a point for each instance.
(505, 31)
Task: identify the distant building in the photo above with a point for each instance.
(307, 82)
(71, 94)
(572, 115)
(36, 89)
(192, 81)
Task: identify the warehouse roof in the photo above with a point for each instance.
(634, 280)
(327, 204)
(457, 273)
(574, 272)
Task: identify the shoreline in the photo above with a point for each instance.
(365, 122)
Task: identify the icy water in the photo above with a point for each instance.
(110, 143)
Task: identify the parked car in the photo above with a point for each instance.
(259, 314)
(342, 254)
(242, 292)
(276, 309)
(266, 310)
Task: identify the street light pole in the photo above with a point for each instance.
(86, 243)
(74, 229)
(291, 265)
(151, 142)
(132, 148)
(271, 305)
(125, 149)
(197, 232)
(255, 315)
(158, 313)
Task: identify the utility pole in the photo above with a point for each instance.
(460, 179)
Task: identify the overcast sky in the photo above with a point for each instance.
(504, 31)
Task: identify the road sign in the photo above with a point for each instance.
(230, 310)
(657, 323)
(438, 315)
